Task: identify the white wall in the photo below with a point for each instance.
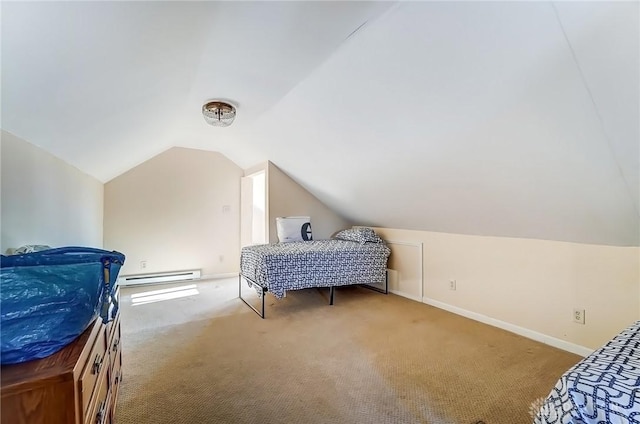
(45, 200)
(285, 197)
(524, 284)
(473, 118)
(288, 198)
(179, 210)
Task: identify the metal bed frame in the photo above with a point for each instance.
(263, 291)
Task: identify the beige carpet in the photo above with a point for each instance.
(370, 358)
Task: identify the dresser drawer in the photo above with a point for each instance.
(112, 324)
(115, 385)
(99, 407)
(114, 339)
(115, 370)
(116, 363)
(98, 360)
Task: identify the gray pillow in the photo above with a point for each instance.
(361, 235)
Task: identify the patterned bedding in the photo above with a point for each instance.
(322, 263)
(602, 388)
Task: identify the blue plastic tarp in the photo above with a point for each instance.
(48, 298)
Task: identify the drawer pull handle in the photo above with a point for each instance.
(100, 413)
(97, 364)
(115, 345)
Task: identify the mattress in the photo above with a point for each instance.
(323, 263)
(603, 388)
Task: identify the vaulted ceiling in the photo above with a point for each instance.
(496, 118)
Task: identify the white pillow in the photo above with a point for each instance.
(294, 228)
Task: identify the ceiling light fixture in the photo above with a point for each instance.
(218, 113)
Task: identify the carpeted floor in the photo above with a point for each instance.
(370, 358)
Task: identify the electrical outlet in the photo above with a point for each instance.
(578, 315)
(143, 264)
(452, 284)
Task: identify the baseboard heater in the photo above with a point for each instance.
(161, 277)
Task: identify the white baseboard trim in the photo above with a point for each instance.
(403, 294)
(159, 278)
(530, 334)
(219, 276)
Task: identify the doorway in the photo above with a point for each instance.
(253, 225)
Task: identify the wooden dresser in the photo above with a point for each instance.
(77, 385)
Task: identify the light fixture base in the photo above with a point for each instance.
(219, 113)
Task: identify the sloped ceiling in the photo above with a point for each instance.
(511, 119)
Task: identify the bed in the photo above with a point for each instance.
(603, 388)
(354, 256)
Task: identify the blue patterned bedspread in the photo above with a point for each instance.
(602, 388)
(321, 263)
